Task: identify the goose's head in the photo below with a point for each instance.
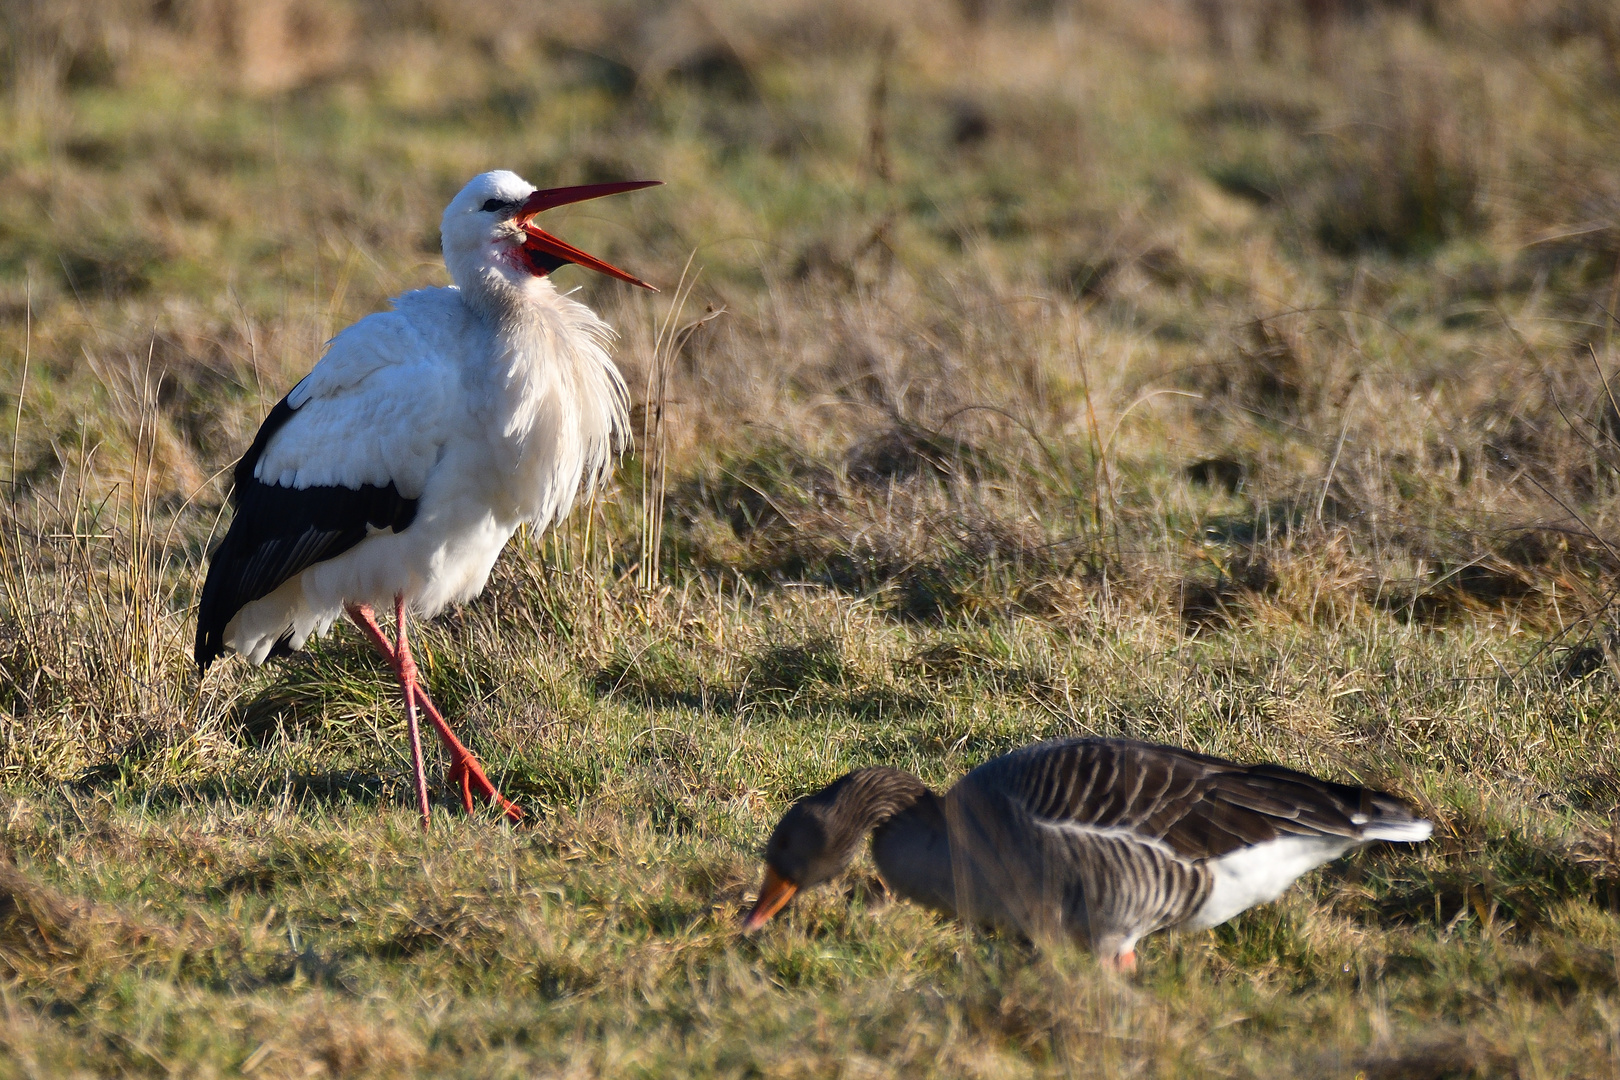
(819, 835)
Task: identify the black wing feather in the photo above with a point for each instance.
(279, 532)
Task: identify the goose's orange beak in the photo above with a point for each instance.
(545, 252)
(773, 897)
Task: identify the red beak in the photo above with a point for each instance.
(546, 252)
(773, 897)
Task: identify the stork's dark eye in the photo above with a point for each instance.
(492, 205)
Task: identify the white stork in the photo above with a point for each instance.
(398, 468)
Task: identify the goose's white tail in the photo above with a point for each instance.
(1405, 832)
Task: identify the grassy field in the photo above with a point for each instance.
(1231, 373)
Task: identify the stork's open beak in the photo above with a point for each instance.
(546, 252)
(773, 897)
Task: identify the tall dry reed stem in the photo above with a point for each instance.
(667, 347)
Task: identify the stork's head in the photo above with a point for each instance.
(492, 245)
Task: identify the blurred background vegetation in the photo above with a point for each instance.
(1187, 292)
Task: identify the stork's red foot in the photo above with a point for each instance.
(468, 775)
(465, 771)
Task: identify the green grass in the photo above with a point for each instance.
(306, 911)
(1232, 380)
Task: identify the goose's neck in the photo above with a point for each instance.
(913, 853)
(820, 834)
(867, 798)
(844, 812)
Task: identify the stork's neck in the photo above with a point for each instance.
(537, 335)
(548, 397)
(532, 347)
(502, 299)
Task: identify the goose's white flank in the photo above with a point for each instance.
(398, 468)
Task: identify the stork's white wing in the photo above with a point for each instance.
(381, 404)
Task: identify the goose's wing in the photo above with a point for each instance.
(1146, 836)
(1196, 806)
(348, 451)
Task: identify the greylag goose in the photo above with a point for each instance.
(1095, 840)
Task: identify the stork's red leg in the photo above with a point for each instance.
(366, 619)
(465, 771)
(405, 670)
